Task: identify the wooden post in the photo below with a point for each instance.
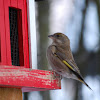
(10, 94)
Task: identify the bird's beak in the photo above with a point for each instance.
(50, 36)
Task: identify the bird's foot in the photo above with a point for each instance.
(56, 75)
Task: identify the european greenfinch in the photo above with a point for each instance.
(61, 59)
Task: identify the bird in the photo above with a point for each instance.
(61, 59)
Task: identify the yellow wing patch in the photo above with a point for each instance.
(68, 65)
(65, 63)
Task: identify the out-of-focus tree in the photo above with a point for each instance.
(88, 61)
(43, 30)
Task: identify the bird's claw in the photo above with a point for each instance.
(56, 75)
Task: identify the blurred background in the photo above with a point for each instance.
(80, 21)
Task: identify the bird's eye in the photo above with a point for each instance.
(58, 36)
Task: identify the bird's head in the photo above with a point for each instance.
(59, 38)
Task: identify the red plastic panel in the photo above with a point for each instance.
(2, 35)
(5, 31)
(26, 30)
(25, 35)
(27, 79)
(13, 3)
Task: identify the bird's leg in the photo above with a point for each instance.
(56, 75)
(59, 75)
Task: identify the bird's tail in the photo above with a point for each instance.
(85, 83)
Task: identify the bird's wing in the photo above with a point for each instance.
(70, 63)
(63, 58)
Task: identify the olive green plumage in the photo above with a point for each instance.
(61, 59)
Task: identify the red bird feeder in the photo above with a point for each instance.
(15, 71)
